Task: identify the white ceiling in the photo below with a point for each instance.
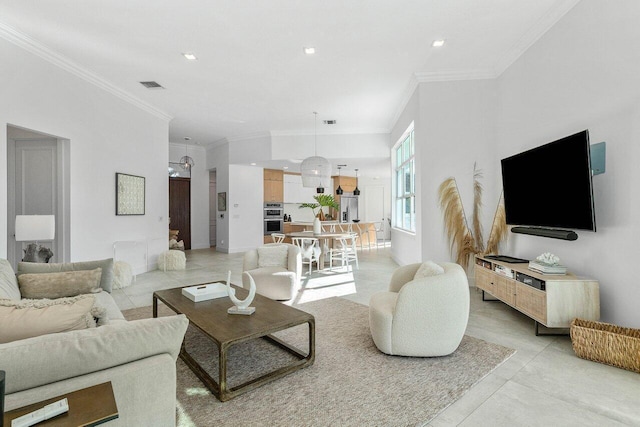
(252, 77)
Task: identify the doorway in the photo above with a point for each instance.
(37, 184)
(180, 209)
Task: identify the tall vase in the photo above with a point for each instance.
(317, 226)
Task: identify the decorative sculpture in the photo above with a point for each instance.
(37, 253)
(241, 306)
(548, 258)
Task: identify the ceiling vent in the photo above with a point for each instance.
(330, 122)
(152, 85)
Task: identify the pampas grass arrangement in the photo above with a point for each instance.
(464, 241)
(499, 229)
(461, 239)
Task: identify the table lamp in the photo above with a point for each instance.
(35, 228)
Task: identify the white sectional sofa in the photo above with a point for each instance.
(138, 357)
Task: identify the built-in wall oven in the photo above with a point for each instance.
(273, 218)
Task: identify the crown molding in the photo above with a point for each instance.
(533, 34)
(404, 100)
(35, 47)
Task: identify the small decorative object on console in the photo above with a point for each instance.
(547, 263)
(241, 306)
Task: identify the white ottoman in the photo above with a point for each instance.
(172, 260)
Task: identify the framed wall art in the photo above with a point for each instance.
(222, 201)
(129, 194)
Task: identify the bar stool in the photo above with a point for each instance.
(363, 231)
(379, 227)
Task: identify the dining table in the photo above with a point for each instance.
(324, 238)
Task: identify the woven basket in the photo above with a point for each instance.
(605, 343)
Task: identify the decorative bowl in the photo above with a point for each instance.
(355, 220)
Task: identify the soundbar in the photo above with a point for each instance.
(546, 232)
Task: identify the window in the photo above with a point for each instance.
(405, 182)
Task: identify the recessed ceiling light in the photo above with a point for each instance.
(309, 50)
(438, 43)
(190, 56)
(285, 167)
(253, 164)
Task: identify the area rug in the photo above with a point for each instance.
(351, 383)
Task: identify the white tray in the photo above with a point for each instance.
(205, 292)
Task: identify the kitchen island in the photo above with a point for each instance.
(366, 230)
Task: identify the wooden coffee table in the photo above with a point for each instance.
(227, 330)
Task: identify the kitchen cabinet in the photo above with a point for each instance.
(273, 185)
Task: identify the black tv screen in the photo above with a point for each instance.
(550, 186)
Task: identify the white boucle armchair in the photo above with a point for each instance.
(425, 316)
(275, 279)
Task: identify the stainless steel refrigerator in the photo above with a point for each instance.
(348, 208)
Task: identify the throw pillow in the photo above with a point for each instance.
(31, 318)
(427, 269)
(106, 281)
(273, 256)
(59, 285)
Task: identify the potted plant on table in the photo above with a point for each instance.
(322, 201)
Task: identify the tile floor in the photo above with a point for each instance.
(543, 384)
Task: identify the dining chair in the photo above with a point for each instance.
(310, 250)
(344, 251)
(277, 237)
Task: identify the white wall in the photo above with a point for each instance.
(107, 135)
(245, 205)
(199, 191)
(341, 146)
(457, 130)
(582, 74)
(218, 159)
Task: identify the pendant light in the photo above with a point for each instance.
(187, 162)
(339, 190)
(356, 192)
(315, 169)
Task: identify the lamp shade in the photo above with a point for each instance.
(35, 227)
(315, 171)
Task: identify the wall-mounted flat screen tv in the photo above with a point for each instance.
(550, 186)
